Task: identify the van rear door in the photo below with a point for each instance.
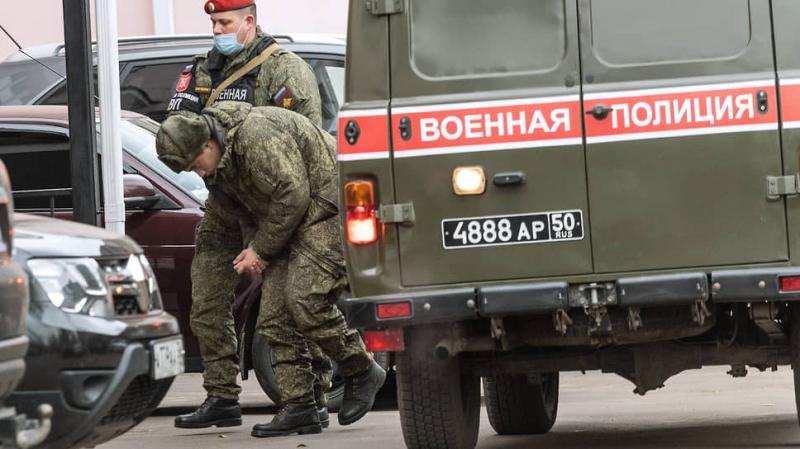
(497, 86)
(686, 133)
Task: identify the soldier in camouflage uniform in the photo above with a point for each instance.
(279, 169)
(283, 80)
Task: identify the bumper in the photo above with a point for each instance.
(12, 363)
(463, 304)
(94, 406)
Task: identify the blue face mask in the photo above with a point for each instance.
(228, 44)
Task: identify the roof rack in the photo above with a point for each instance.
(137, 40)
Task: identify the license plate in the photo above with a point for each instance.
(168, 358)
(519, 229)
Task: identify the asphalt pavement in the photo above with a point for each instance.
(697, 409)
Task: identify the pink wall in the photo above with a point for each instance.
(36, 22)
(190, 17)
(32, 22)
(275, 16)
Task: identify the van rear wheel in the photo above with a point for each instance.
(517, 406)
(439, 400)
(795, 342)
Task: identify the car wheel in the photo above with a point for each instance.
(517, 406)
(795, 343)
(262, 365)
(439, 400)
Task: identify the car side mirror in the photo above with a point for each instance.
(139, 193)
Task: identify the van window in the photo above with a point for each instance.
(467, 38)
(668, 32)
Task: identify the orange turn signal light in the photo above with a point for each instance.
(359, 201)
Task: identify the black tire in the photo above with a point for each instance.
(517, 407)
(795, 343)
(439, 400)
(262, 365)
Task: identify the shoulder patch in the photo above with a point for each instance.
(284, 98)
(184, 81)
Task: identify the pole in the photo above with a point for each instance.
(80, 97)
(108, 86)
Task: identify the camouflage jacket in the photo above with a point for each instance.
(283, 80)
(279, 170)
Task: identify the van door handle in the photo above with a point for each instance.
(513, 178)
(600, 111)
(405, 128)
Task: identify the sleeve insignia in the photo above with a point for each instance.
(284, 98)
(183, 82)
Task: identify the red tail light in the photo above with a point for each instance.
(394, 310)
(790, 284)
(359, 199)
(385, 340)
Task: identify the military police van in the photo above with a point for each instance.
(535, 187)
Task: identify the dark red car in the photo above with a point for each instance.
(163, 210)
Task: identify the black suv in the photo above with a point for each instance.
(150, 67)
(15, 429)
(103, 352)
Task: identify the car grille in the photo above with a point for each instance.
(131, 297)
(138, 401)
(126, 306)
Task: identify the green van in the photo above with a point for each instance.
(536, 187)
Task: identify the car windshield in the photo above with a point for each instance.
(139, 139)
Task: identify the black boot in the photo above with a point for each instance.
(359, 394)
(214, 412)
(293, 417)
(324, 419)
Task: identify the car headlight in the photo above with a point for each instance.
(150, 278)
(74, 285)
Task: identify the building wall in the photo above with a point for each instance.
(36, 22)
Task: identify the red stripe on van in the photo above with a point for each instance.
(487, 125)
(372, 135)
(673, 112)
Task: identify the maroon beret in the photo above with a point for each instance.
(226, 5)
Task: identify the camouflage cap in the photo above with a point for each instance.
(180, 139)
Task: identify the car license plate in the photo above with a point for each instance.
(512, 229)
(168, 358)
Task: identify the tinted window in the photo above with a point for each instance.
(36, 161)
(330, 80)
(148, 88)
(678, 30)
(58, 96)
(481, 36)
(21, 82)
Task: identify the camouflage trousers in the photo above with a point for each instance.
(298, 305)
(218, 242)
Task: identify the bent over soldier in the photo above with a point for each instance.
(283, 80)
(279, 169)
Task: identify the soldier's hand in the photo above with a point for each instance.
(248, 261)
